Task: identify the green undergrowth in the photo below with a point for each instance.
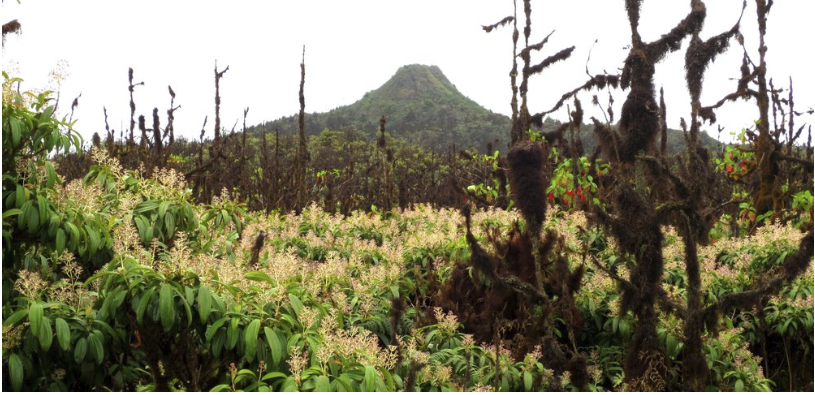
(123, 282)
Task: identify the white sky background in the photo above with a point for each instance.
(354, 46)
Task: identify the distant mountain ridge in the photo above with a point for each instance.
(422, 106)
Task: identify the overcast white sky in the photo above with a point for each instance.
(354, 46)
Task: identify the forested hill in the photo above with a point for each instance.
(422, 106)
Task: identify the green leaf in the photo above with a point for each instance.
(162, 208)
(204, 303)
(142, 228)
(53, 224)
(184, 303)
(169, 224)
(35, 317)
(42, 209)
(272, 375)
(274, 345)
(16, 317)
(143, 303)
(232, 333)
(16, 133)
(104, 325)
(93, 238)
(250, 337)
(296, 304)
(19, 197)
(97, 349)
(51, 175)
(15, 370)
(74, 235)
(220, 388)
(80, 350)
(322, 384)
(370, 379)
(60, 243)
(527, 381)
(259, 276)
(214, 328)
(12, 211)
(739, 387)
(145, 206)
(166, 310)
(33, 220)
(46, 335)
(117, 299)
(218, 343)
(289, 385)
(63, 334)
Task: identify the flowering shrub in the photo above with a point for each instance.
(122, 282)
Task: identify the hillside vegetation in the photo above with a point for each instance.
(423, 107)
(359, 260)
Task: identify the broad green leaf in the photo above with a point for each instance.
(51, 175)
(289, 385)
(296, 304)
(145, 206)
(46, 114)
(166, 308)
(63, 334)
(527, 381)
(141, 226)
(220, 388)
(259, 276)
(250, 337)
(10, 212)
(274, 345)
(74, 235)
(42, 210)
(35, 317)
(162, 208)
(169, 224)
(60, 241)
(232, 334)
(370, 379)
(214, 328)
(322, 384)
(204, 303)
(16, 317)
(104, 325)
(33, 220)
(46, 334)
(218, 343)
(93, 239)
(15, 370)
(97, 349)
(272, 375)
(116, 299)
(80, 350)
(343, 383)
(184, 303)
(53, 224)
(19, 197)
(739, 387)
(143, 303)
(218, 303)
(16, 133)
